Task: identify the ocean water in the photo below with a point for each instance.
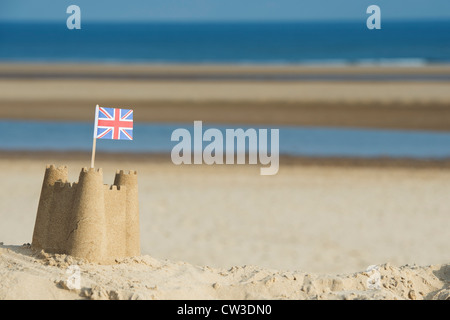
(296, 141)
(408, 43)
(400, 43)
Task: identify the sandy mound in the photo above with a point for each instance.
(26, 274)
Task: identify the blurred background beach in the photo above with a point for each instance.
(364, 119)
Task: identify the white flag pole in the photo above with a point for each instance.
(95, 137)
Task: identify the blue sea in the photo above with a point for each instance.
(398, 42)
(294, 141)
(407, 43)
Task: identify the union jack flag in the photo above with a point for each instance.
(113, 123)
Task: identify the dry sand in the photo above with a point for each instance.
(319, 223)
(26, 274)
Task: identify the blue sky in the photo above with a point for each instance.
(221, 10)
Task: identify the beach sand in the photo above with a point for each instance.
(321, 220)
(185, 94)
(226, 232)
(26, 274)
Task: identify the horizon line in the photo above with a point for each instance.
(200, 21)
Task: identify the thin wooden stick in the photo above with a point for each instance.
(93, 152)
(94, 143)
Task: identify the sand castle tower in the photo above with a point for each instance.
(88, 219)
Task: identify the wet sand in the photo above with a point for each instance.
(69, 93)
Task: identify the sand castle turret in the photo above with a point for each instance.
(132, 219)
(42, 225)
(88, 219)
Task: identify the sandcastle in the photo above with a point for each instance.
(88, 219)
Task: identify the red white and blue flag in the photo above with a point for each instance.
(113, 123)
